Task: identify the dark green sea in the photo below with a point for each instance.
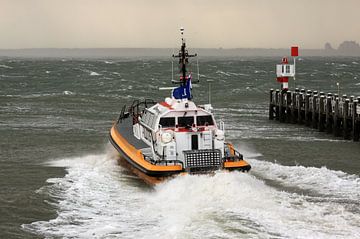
(59, 177)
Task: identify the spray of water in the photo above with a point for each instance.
(97, 198)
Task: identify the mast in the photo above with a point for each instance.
(183, 56)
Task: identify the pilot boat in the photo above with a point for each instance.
(175, 136)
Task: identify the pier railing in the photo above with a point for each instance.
(327, 112)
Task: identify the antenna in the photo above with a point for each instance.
(197, 65)
(172, 71)
(209, 93)
(183, 56)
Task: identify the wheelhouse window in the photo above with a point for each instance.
(185, 121)
(145, 117)
(204, 120)
(152, 121)
(148, 119)
(167, 122)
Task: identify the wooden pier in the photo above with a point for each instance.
(330, 113)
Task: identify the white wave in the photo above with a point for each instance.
(47, 72)
(355, 63)
(247, 150)
(229, 203)
(231, 73)
(223, 73)
(6, 76)
(98, 199)
(259, 71)
(38, 95)
(5, 66)
(93, 73)
(320, 180)
(108, 62)
(67, 92)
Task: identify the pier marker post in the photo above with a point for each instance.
(283, 72)
(294, 54)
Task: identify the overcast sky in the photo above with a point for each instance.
(156, 23)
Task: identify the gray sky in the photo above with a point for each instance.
(155, 23)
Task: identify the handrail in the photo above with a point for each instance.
(122, 114)
(134, 110)
(237, 154)
(163, 161)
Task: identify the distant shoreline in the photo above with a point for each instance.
(162, 52)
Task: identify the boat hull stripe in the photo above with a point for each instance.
(136, 158)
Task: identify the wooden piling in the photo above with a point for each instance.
(277, 106)
(293, 108)
(300, 103)
(321, 123)
(314, 111)
(355, 123)
(328, 113)
(282, 107)
(288, 106)
(271, 105)
(336, 126)
(306, 109)
(346, 126)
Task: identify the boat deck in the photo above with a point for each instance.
(125, 128)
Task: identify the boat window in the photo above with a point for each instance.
(167, 122)
(146, 117)
(204, 120)
(154, 120)
(149, 119)
(151, 122)
(185, 121)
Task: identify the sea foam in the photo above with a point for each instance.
(97, 198)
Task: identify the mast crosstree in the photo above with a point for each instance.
(184, 90)
(183, 56)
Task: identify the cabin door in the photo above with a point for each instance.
(194, 142)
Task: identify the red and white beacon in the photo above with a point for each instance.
(286, 70)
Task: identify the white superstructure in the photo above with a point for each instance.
(175, 126)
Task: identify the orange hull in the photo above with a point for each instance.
(133, 159)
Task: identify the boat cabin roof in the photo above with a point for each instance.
(176, 114)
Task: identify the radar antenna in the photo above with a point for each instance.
(183, 56)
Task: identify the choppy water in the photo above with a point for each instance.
(59, 177)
